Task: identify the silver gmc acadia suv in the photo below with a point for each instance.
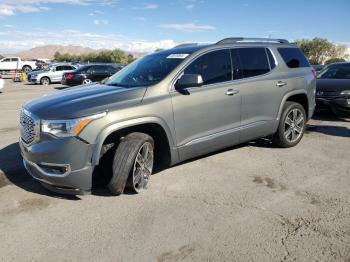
(164, 108)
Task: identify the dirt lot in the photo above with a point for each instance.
(253, 202)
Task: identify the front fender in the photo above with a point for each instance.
(130, 123)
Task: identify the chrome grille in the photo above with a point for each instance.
(27, 127)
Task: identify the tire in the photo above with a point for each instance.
(26, 69)
(126, 165)
(291, 127)
(87, 81)
(45, 81)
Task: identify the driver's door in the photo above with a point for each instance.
(207, 118)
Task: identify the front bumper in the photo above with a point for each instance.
(61, 165)
(33, 80)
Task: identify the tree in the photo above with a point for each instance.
(319, 50)
(334, 60)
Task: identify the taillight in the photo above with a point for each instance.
(314, 73)
(70, 76)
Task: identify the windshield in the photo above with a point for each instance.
(335, 72)
(147, 71)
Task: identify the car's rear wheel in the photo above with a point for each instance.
(132, 163)
(87, 81)
(292, 125)
(26, 69)
(45, 81)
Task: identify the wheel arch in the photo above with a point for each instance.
(23, 66)
(153, 126)
(45, 77)
(299, 96)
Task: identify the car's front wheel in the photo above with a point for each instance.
(132, 163)
(292, 125)
(45, 81)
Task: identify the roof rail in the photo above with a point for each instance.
(232, 40)
(185, 45)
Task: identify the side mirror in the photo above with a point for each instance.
(189, 80)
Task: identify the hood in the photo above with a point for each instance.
(83, 100)
(332, 85)
(37, 72)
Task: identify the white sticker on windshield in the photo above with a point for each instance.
(178, 56)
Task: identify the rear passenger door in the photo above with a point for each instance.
(99, 72)
(261, 97)
(56, 76)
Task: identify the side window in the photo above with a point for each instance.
(253, 61)
(14, 59)
(112, 69)
(236, 72)
(59, 68)
(7, 60)
(214, 67)
(293, 57)
(100, 69)
(272, 60)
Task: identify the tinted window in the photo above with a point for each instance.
(253, 61)
(14, 59)
(7, 60)
(68, 68)
(99, 69)
(272, 60)
(293, 57)
(236, 72)
(112, 69)
(59, 68)
(335, 72)
(214, 67)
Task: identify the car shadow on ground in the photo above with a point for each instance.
(326, 129)
(326, 115)
(12, 172)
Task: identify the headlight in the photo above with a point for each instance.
(345, 93)
(68, 128)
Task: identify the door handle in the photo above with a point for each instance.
(281, 83)
(231, 92)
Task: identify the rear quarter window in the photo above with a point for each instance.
(293, 57)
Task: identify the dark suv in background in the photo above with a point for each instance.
(88, 74)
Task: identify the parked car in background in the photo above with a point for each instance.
(52, 75)
(333, 88)
(88, 74)
(2, 83)
(16, 63)
(318, 68)
(165, 108)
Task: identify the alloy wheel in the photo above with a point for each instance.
(294, 125)
(143, 167)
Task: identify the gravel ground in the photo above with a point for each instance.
(253, 202)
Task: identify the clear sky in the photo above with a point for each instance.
(146, 25)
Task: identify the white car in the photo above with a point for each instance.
(16, 63)
(2, 83)
(52, 75)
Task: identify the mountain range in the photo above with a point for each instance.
(48, 51)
